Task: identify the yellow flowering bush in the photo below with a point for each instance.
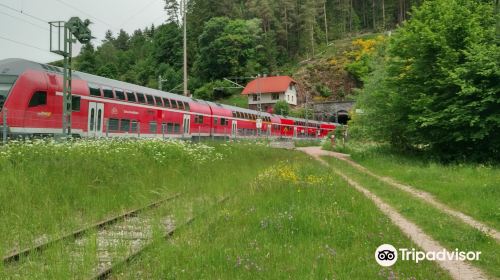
(289, 174)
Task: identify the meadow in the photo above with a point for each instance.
(50, 188)
(294, 220)
(469, 187)
(286, 215)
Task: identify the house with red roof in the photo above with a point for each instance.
(267, 91)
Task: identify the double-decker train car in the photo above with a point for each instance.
(31, 102)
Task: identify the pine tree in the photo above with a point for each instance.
(173, 11)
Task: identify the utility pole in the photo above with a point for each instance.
(306, 115)
(184, 20)
(259, 94)
(67, 34)
(326, 22)
(160, 82)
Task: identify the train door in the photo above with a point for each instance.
(95, 119)
(269, 133)
(234, 129)
(186, 125)
(294, 132)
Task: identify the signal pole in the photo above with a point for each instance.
(78, 29)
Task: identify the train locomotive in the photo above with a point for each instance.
(31, 105)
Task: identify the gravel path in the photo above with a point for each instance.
(425, 196)
(459, 270)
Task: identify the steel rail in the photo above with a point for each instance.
(106, 273)
(16, 255)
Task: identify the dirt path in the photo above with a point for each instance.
(459, 270)
(425, 196)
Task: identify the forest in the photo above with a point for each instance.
(235, 38)
(428, 80)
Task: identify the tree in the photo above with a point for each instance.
(214, 90)
(441, 95)
(86, 61)
(228, 48)
(172, 9)
(122, 41)
(167, 44)
(281, 108)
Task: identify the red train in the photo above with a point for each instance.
(31, 100)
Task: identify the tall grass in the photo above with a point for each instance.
(295, 220)
(48, 188)
(468, 187)
(287, 217)
(449, 231)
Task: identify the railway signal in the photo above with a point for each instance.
(67, 34)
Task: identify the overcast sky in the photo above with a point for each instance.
(31, 35)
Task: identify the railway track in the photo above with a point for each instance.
(16, 255)
(107, 272)
(109, 244)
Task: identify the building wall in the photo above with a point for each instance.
(290, 96)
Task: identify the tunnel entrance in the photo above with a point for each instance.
(343, 117)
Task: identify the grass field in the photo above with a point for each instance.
(50, 188)
(307, 143)
(293, 221)
(450, 232)
(470, 188)
(286, 215)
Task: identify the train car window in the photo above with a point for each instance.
(247, 116)
(198, 119)
(131, 96)
(170, 127)
(186, 106)
(140, 98)
(113, 124)
(124, 125)
(234, 114)
(181, 105)
(150, 99)
(158, 101)
(166, 103)
(94, 90)
(39, 98)
(215, 120)
(6, 83)
(174, 103)
(153, 127)
(108, 93)
(119, 94)
(177, 128)
(133, 126)
(75, 103)
(223, 121)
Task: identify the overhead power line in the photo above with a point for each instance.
(24, 13)
(109, 26)
(45, 28)
(138, 12)
(24, 44)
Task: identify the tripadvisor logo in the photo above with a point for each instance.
(387, 255)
